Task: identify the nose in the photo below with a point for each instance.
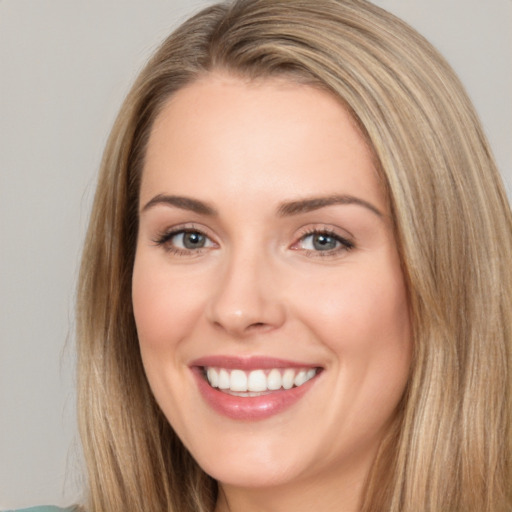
(247, 295)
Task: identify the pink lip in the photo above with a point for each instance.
(249, 363)
(248, 408)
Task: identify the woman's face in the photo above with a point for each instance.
(268, 296)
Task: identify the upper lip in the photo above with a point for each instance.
(249, 363)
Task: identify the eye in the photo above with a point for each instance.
(323, 243)
(320, 242)
(185, 242)
(189, 240)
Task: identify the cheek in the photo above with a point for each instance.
(363, 320)
(358, 309)
(362, 317)
(165, 305)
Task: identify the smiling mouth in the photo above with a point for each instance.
(259, 382)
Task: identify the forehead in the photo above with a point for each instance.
(226, 136)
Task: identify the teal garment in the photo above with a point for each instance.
(42, 509)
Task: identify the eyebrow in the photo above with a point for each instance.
(315, 203)
(286, 209)
(185, 203)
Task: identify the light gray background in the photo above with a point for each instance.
(65, 66)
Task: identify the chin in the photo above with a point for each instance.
(250, 474)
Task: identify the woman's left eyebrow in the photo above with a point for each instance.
(315, 203)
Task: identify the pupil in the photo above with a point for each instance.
(193, 240)
(324, 242)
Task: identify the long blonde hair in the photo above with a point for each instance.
(450, 450)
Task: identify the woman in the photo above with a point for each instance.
(295, 287)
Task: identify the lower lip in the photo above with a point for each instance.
(251, 408)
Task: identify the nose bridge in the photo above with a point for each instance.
(246, 297)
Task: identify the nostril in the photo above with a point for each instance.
(257, 325)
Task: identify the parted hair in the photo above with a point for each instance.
(450, 447)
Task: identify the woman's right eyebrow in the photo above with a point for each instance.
(182, 202)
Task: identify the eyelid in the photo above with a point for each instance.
(321, 227)
(347, 243)
(164, 237)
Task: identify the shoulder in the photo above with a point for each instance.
(43, 509)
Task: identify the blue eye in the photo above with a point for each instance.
(324, 242)
(320, 242)
(189, 240)
(184, 242)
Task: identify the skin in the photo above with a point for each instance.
(260, 287)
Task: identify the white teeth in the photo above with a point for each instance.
(238, 381)
(300, 378)
(257, 381)
(213, 377)
(288, 378)
(223, 379)
(274, 380)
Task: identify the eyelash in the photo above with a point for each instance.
(345, 245)
(165, 238)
